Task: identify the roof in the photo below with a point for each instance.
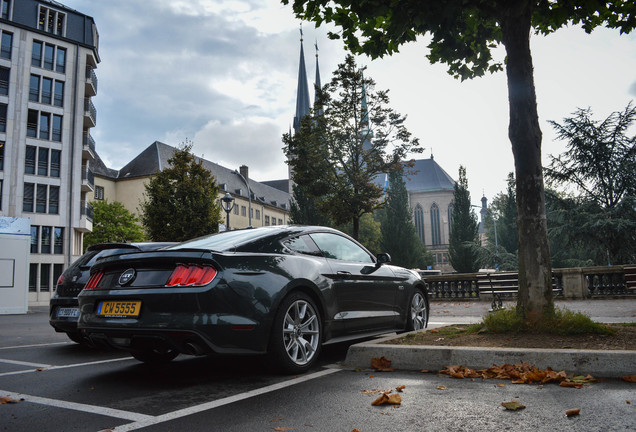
(155, 158)
(425, 176)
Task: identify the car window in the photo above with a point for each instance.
(221, 241)
(338, 247)
(302, 244)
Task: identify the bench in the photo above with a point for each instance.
(630, 279)
(501, 285)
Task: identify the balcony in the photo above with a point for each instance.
(86, 217)
(88, 146)
(90, 113)
(88, 179)
(90, 88)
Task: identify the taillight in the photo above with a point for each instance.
(60, 280)
(191, 275)
(94, 281)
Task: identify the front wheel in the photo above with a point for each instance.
(296, 334)
(418, 309)
(155, 356)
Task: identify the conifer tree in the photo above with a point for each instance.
(463, 247)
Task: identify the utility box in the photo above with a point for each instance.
(15, 245)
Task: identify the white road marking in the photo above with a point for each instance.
(93, 409)
(48, 367)
(35, 345)
(220, 402)
(17, 362)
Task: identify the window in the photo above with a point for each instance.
(5, 45)
(56, 133)
(450, 217)
(435, 227)
(43, 161)
(338, 247)
(418, 215)
(5, 9)
(4, 80)
(39, 126)
(3, 117)
(273, 221)
(36, 54)
(58, 240)
(27, 200)
(32, 124)
(40, 200)
(47, 90)
(45, 240)
(34, 88)
(99, 193)
(54, 199)
(60, 62)
(1, 155)
(45, 277)
(58, 93)
(51, 21)
(33, 276)
(266, 220)
(258, 214)
(280, 221)
(49, 53)
(243, 211)
(0, 194)
(236, 209)
(45, 125)
(56, 156)
(35, 239)
(29, 160)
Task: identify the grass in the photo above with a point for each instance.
(562, 322)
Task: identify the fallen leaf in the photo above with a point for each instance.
(513, 405)
(570, 384)
(276, 420)
(355, 430)
(629, 378)
(386, 398)
(283, 428)
(501, 385)
(400, 388)
(374, 391)
(381, 364)
(441, 387)
(425, 371)
(434, 331)
(41, 369)
(7, 400)
(629, 402)
(573, 412)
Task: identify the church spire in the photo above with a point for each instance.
(317, 84)
(302, 93)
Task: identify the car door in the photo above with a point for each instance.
(364, 292)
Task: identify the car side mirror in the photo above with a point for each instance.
(383, 258)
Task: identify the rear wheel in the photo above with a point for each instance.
(417, 312)
(155, 356)
(296, 334)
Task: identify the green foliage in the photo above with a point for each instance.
(113, 223)
(303, 209)
(337, 154)
(598, 224)
(464, 233)
(181, 202)
(560, 322)
(399, 237)
(369, 233)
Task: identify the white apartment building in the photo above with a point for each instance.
(48, 56)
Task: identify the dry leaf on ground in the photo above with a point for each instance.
(513, 405)
(523, 373)
(283, 428)
(400, 388)
(573, 412)
(381, 364)
(386, 398)
(7, 400)
(629, 378)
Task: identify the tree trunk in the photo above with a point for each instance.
(535, 271)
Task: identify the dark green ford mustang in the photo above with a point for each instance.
(282, 290)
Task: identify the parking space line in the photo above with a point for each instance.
(93, 409)
(17, 362)
(48, 367)
(35, 345)
(220, 402)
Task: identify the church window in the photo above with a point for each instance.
(418, 215)
(450, 217)
(436, 235)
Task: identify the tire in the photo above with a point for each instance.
(417, 311)
(155, 356)
(296, 337)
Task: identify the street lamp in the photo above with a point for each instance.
(227, 202)
(249, 197)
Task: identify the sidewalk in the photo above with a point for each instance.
(594, 362)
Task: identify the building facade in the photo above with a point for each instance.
(266, 205)
(48, 57)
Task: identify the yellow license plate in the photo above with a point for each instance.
(119, 308)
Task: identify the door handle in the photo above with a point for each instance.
(343, 273)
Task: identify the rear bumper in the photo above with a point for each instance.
(63, 324)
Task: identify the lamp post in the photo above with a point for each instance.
(249, 197)
(227, 203)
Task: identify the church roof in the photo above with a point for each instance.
(427, 176)
(155, 158)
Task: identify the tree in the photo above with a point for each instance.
(303, 209)
(338, 153)
(463, 242)
(113, 223)
(599, 166)
(399, 237)
(369, 233)
(463, 34)
(181, 202)
(504, 209)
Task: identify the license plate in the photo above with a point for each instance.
(119, 308)
(68, 312)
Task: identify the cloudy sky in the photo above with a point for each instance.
(223, 74)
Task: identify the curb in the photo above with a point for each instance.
(598, 363)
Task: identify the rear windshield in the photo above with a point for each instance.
(105, 253)
(222, 241)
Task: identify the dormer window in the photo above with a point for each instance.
(51, 21)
